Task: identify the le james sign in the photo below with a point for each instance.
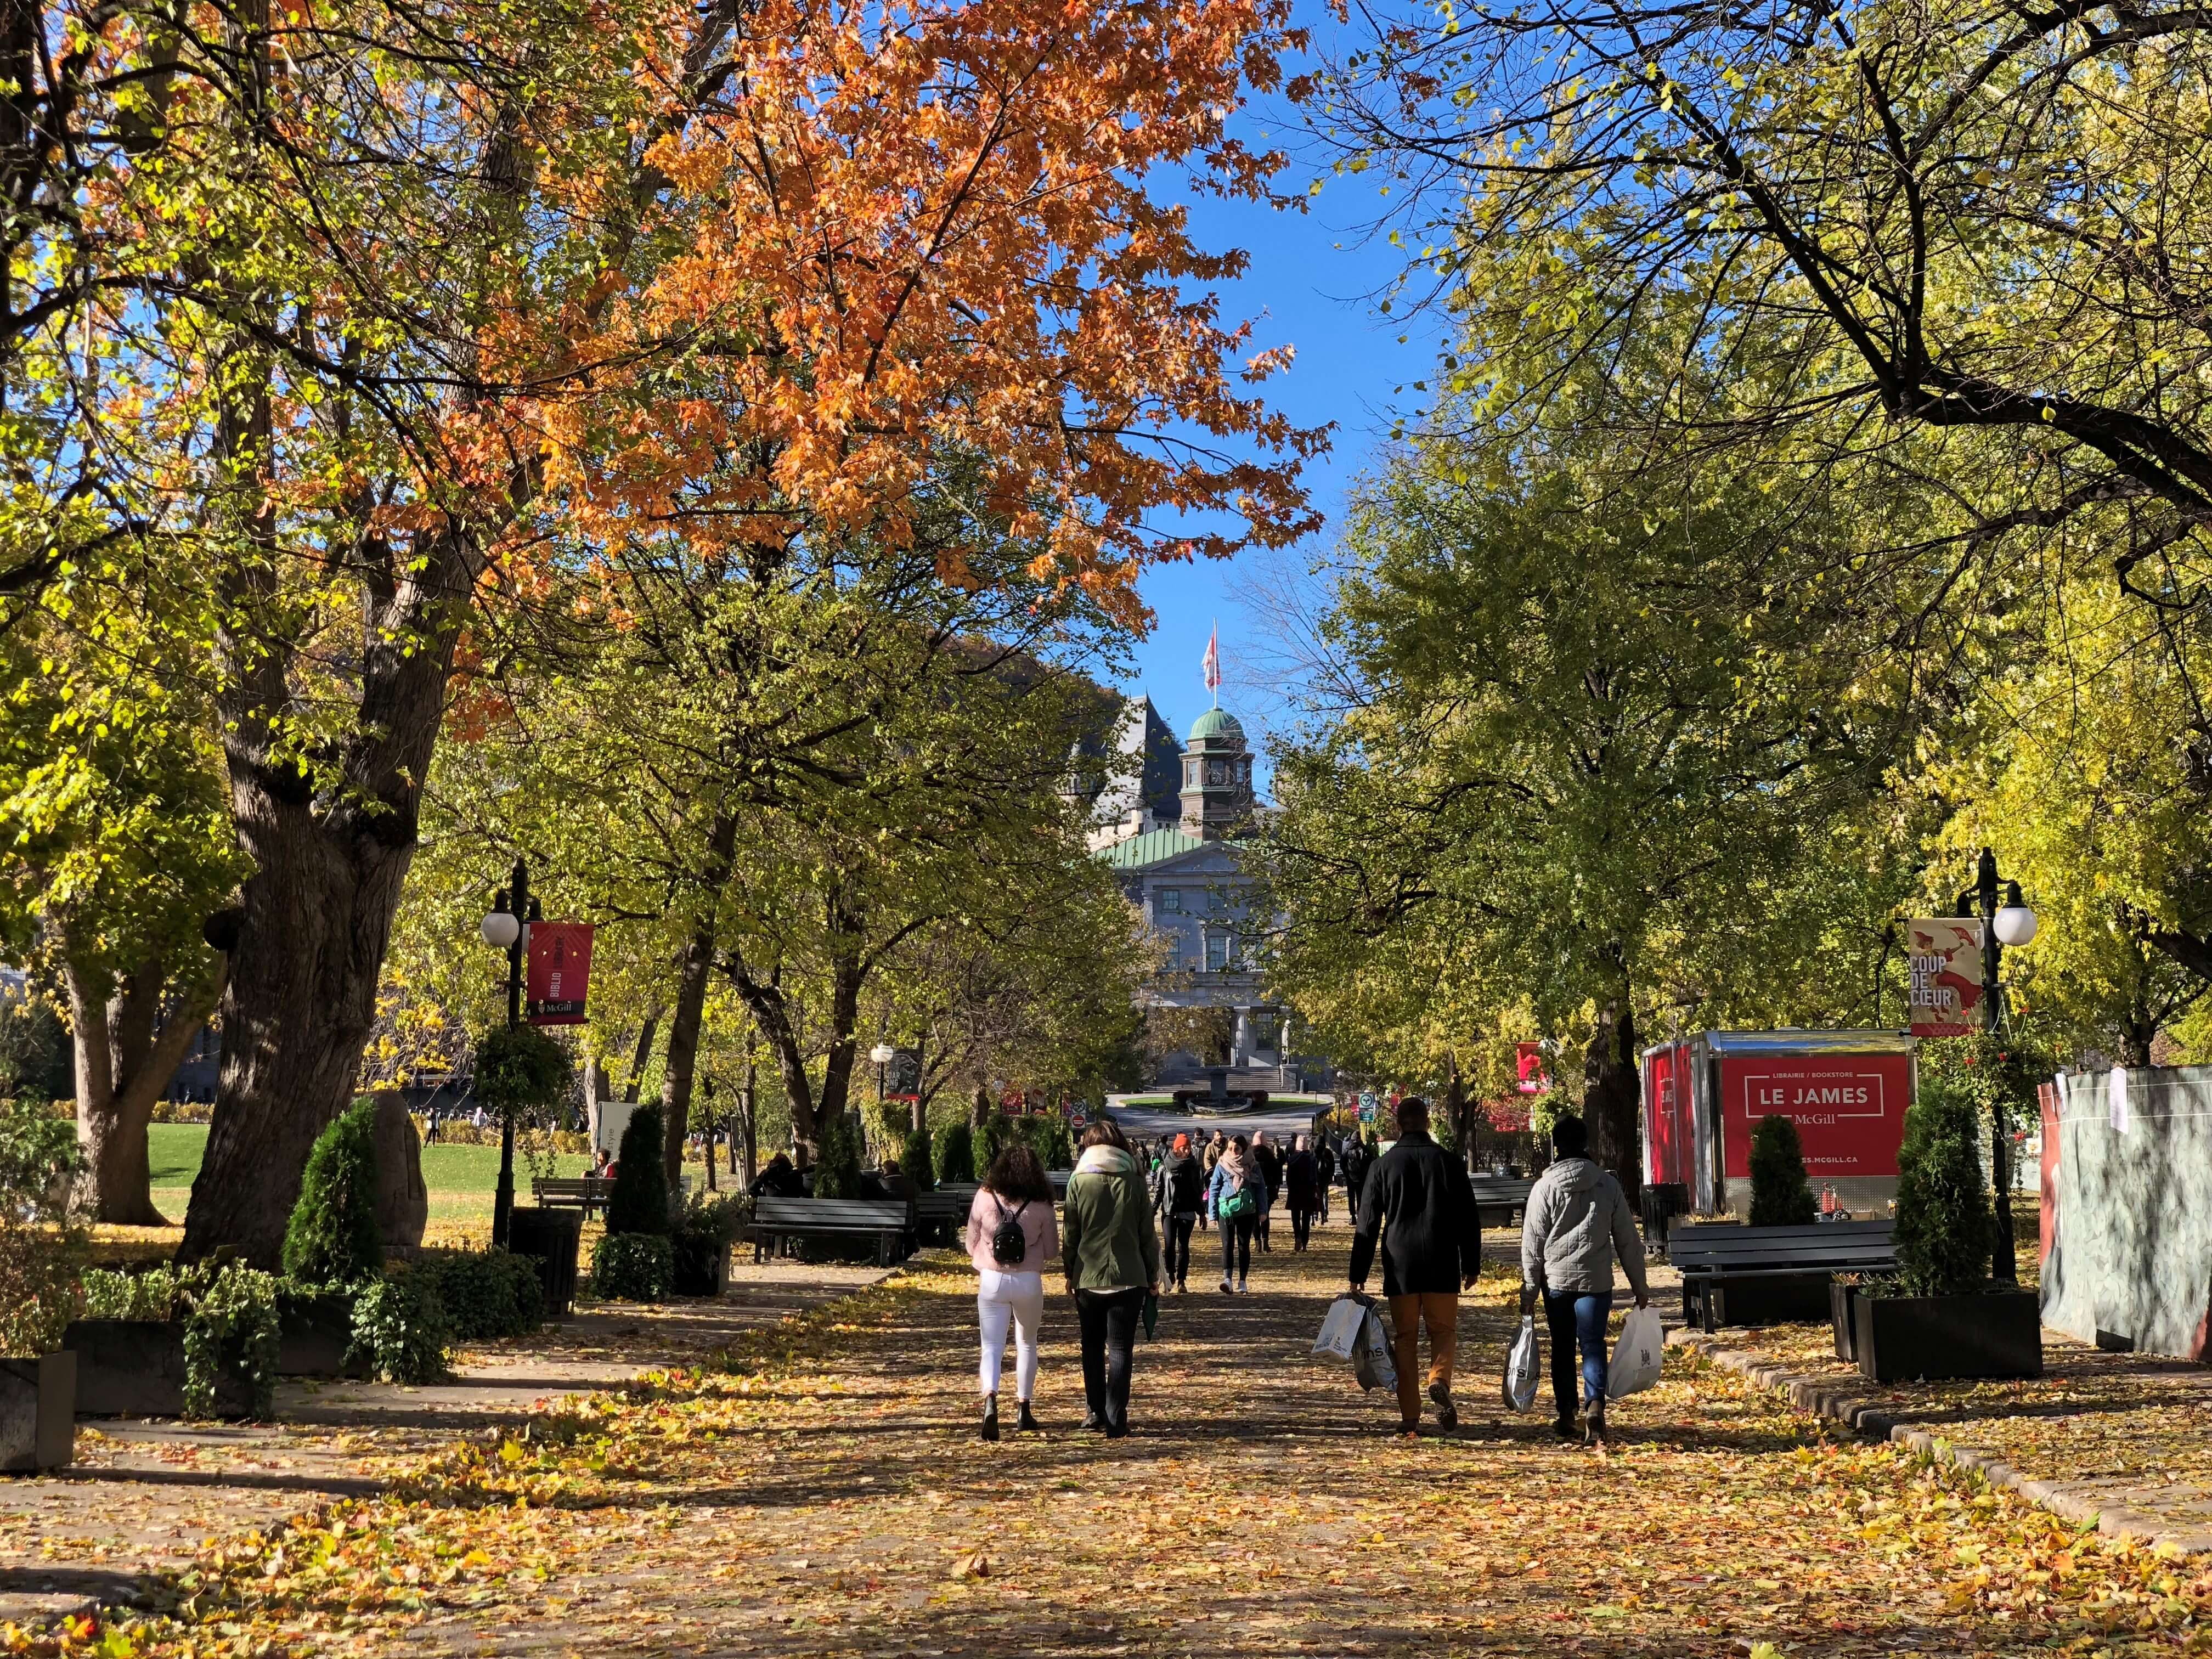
(1849, 1109)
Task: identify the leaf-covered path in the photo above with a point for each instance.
(828, 1496)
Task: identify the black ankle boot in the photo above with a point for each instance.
(990, 1416)
(1026, 1423)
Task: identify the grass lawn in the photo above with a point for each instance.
(461, 1179)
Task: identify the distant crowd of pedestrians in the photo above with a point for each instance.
(1129, 1220)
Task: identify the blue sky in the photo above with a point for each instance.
(1309, 285)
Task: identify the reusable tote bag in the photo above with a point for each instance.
(1524, 1366)
(1636, 1357)
(1370, 1360)
(1339, 1331)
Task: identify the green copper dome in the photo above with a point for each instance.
(1217, 723)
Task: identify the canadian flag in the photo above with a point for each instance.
(1214, 658)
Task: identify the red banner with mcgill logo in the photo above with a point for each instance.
(560, 974)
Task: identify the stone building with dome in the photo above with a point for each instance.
(1169, 823)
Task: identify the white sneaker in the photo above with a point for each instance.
(1243, 1287)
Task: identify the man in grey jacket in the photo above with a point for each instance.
(1577, 1223)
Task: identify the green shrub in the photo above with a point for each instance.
(399, 1329)
(233, 1331)
(639, 1203)
(39, 1291)
(1780, 1195)
(232, 1326)
(915, 1160)
(1054, 1145)
(488, 1293)
(956, 1153)
(39, 1158)
(702, 1233)
(632, 1267)
(331, 1238)
(837, 1164)
(1945, 1226)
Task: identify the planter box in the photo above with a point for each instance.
(694, 1278)
(552, 1236)
(315, 1332)
(1843, 1319)
(135, 1368)
(1902, 1338)
(37, 1413)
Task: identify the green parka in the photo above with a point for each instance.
(1108, 1242)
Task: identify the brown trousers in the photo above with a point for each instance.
(1439, 1311)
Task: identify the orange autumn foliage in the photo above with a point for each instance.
(891, 235)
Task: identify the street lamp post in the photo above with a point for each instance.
(2009, 922)
(504, 929)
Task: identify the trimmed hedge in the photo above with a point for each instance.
(638, 1202)
(838, 1168)
(488, 1293)
(632, 1267)
(956, 1153)
(1780, 1195)
(915, 1159)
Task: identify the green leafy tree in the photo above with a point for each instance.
(1944, 1225)
(1780, 1195)
(333, 1237)
(638, 1202)
(520, 1071)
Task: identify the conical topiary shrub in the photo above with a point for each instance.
(915, 1159)
(1944, 1225)
(1780, 1196)
(333, 1237)
(956, 1153)
(838, 1165)
(639, 1203)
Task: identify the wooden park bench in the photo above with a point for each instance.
(585, 1192)
(1734, 1275)
(1498, 1199)
(778, 1221)
(945, 1211)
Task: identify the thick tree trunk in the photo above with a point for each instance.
(1456, 1111)
(847, 974)
(642, 1056)
(749, 1108)
(123, 1065)
(1611, 1098)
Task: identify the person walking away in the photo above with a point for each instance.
(1325, 1165)
(1418, 1201)
(1301, 1190)
(1113, 1259)
(1179, 1190)
(1236, 1197)
(1356, 1165)
(1012, 1234)
(1270, 1158)
(1576, 1224)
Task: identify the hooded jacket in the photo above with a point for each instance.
(1416, 1197)
(1108, 1241)
(1577, 1223)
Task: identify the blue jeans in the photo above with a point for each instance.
(1576, 1320)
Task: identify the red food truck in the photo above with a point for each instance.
(1847, 1090)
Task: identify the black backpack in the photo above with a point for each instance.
(1010, 1246)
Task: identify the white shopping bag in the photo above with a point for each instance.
(1370, 1361)
(1339, 1331)
(1636, 1357)
(1524, 1365)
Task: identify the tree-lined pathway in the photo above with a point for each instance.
(827, 1497)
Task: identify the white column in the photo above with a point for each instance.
(1240, 1046)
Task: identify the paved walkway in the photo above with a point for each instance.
(146, 1496)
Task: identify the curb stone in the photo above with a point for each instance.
(1840, 1401)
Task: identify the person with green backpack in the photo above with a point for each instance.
(1238, 1197)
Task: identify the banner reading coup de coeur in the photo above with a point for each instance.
(1945, 955)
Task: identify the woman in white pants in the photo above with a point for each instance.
(1012, 1234)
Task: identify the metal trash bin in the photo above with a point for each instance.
(554, 1236)
(1662, 1201)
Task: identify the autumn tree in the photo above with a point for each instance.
(731, 278)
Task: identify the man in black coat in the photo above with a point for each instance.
(1417, 1198)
